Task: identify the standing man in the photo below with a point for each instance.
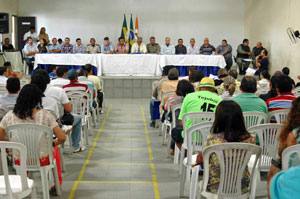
(107, 47)
(67, 47)
(192, 48)
(78, 47)
(54, 47)
(226, 50)
(207, 48)
(243, 52)
(168, 48)
(153, 47)
(93, 48)
(122, 47)
(31, 33)
(139, 47)
(29, 50)
(180, 49)
(7, 46)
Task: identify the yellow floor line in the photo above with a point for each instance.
(114, 182)
(150, 154)
(89, 155)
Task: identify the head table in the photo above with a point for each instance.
(133, 64)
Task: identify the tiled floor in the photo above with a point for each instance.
(125, 159)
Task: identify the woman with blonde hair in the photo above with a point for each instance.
(229, 86)
(44, 35)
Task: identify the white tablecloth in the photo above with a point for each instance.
(130, 64)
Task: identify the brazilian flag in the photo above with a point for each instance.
(124, 28)
(131, 32)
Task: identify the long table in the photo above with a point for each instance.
(130, 64)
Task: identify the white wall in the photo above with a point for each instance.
(267, 21)
(11, 7)
(216, 19)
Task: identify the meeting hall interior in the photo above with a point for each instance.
(139, 99)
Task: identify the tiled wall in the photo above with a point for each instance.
(128, 87)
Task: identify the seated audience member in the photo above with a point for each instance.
(226, 50)
(28, 109)
(247, 100)
(284, 97)
(54, 47)
(107, 47)
(167, 48)
(97, 83)
(52, 72)
(42, 47)
(139, 47)
(262, 62)
(263, 85)
(272, 92)
(29, 50)
(56, 100)
(7, 46)
(8, 72)
(229, 87)
(74, 83)
(153, 47)
(193, 49)
(78, 47)
(3, 75)
(289, 136)
(60, 41)
(231, 131)
(222, 73)
(32, 34)
(67, 47)
(207, 48)
(169, 85)
(61, 80)
(8, 100)
(93, 48)
(233, 73)
(195, 76)
(204, 100)
(256, 51)
(43, 35)
(122, 47)
(180, 49)
(243, 52)
(286, 71)
(83, 78)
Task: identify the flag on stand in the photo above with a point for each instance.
(131, 32)
(136, 27)
(124, 28)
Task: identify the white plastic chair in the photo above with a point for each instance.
(38, 140)
(280, 115)
(14, 186)
(15, 58)
(254, 118)
(195, 139)
(233, 159)
(287, 153)
(3, 89)
(297, 91)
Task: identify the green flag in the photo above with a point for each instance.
(124, 28)
(131, 32)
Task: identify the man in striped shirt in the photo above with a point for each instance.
(285, 97)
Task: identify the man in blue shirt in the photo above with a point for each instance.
(107, 47)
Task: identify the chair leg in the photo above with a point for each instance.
(163, 129)
(45, 183)
(182, 181)
(182, 156)
(56, 180)
(176, 155)
(194, 183)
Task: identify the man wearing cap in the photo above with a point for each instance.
(204, 100)
(74, 83)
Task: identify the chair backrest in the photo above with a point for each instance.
(3, 111)
(3, 89)
(196, 137)
(79, 101)
(254, 118)
(15, 58)
(267, 135)
(278, 116)
(289, 154)
(175, 109)
(21, 150)
(38, 140)
(197, 117)
(233, 159)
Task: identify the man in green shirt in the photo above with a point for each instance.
(247, 100)
(153, 47)
(204, 100)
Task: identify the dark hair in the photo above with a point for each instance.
(40, 78)
(233, 73)
(152, 37)
(265, 74)
(82, 72)
(121, 38)
(173, 74)
(32, 27)
(78, 39)
(273, 81)
(195, 76)
(67, 38)
(28, 38)
(60, 71)
(7, 64)
(59, 40)
(106, 38)
(245, 40)
(166, 70)
(284, 84)
(224, 40)
(13, 85)
(184, 87)
(180, 39)
(88, 68)
(234, 128)
(265, 52)
(30, 97)
(3, 69)
(248, 84)
(285, 71)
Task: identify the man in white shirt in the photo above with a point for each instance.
(3, 75)
(168, 48)
(31, 33)
(93, 48)
(54, 47)
(139, 47)
(29, 50)
(61, 80)
(192, 48)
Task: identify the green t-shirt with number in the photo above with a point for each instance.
(201, 101)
